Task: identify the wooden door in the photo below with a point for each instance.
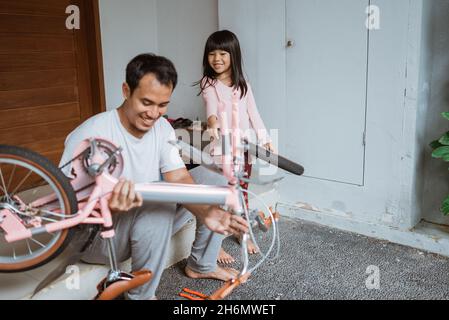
(50, 77)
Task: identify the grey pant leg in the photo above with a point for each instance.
(150, 240)
(144, 234)
(201, 175)
(205, 248)
(97, 253)
(207, 244)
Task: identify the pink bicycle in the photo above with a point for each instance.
(40, 207)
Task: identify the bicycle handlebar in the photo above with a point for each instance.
(275, 159)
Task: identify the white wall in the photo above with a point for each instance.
(183, 28)
(408, 80)
(128, 28)
(172, 28)
(388, 194)
(260, 28)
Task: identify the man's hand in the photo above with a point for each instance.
(124, 197)
(223, 222)
(216, 219)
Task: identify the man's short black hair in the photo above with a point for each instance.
(146, 63)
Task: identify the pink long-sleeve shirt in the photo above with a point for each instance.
(249, 115)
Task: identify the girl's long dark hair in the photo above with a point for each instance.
(227, 41)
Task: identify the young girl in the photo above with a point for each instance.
(223, 77)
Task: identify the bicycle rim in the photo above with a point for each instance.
(24, 178)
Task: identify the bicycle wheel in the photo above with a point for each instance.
(38, 193)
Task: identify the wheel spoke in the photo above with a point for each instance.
(5, 190)
(37, 242)
(29, 248)
(22, 182)
(11, 176)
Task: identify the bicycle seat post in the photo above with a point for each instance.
(109, 233)
(112, 254)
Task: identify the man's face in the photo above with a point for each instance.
(146, 105)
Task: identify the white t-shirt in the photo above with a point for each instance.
(144, 159)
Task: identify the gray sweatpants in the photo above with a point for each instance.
(144, 234)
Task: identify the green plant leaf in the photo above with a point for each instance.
(445, 206)
(435, 144)
(441, 152)
(445, 115)
(444, 139)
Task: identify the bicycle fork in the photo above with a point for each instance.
(108, 234)
(116, 282)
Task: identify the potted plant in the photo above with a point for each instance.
(441, 151)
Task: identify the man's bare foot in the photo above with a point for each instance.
(224, 257)
(223, 274)
(252, 249)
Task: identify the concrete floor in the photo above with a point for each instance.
(315, 262)
(318, 262)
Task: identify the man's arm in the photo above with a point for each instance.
(213, 217)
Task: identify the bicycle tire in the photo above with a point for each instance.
(31, 159)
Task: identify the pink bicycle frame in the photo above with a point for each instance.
(104, 184)
(152, 192)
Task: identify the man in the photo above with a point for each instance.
(143, 232)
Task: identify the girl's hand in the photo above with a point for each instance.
(269, 146)
(212, 128)
(213, 133)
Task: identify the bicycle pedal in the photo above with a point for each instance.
(276, 215)
(265, 223)
(261, 223)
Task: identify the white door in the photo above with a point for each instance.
(314, 91)
(326, 79)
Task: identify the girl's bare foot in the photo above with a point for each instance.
(252, 249)
(224, 257)
(223, 274)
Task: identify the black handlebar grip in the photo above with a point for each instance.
(275, 159)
